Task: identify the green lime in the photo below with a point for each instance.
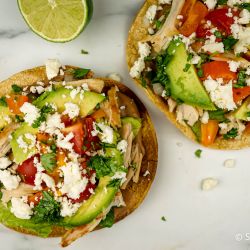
(57, 20)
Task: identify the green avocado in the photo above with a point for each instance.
(4, 111)
(185, 85)
(19, 154)
(96, 204)
(87, 102)
(243, 112)
(10, 220)
(114, 154)
(135, 123)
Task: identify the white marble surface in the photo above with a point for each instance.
(196, 220)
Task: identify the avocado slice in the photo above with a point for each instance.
(61, 95)
(115, 154)
(185, 85)
(135, 123)
(97, 203)
(10, 220)
(243, 112)
(19, 154)
(4, 111)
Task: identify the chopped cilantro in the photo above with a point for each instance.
(16, 88)
(80, 73)
(109, 220)
(84, 52)
(19, 119)
(3, 101)
(241, 81)
(143, 82)
(222, 2)
(114, 183)
(158, 24)
(163, 218)
(245, 6)
(231, 134)
(187, 67)
(200, 73)
(107, 145)
(48, 161)
(48, 210)
(45, 110)
(196, 128)
(218, 34)
(190, 56)
(53, 148)
(104, 166)
(229, 42)
(198, 153)
(218, 115)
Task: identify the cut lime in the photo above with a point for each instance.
(57, 20)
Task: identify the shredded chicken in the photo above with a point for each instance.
(169, 29)
(75, 233)
(5, 139)
(22, 190)
(187, 113)
(95, 85)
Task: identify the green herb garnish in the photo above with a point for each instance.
(3, 101)
(48, 161)
(19, 119)
(143, 82)
(80, 73)
(218, 115)
(245, 6)
(241, 81)
(198, 153)
(84, 52)
(114, 183)
(163, 218)
(229, 42)
(200, 73)
(158, 24)
(222, 2)
(47, 109)
(231, 134)
(218, 34)
(47, 210)
(109, 219)
(16, 88)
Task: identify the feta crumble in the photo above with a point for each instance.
(52, 68)
(165, 1)
(244, 17)
(9, 181)
(67, 208)
(106, 133)
(151, 13)
(20, 208)
(31, 112)
(209, 183)
(233, 66)
(211, 4)
(122, 146)
(4, 162)
(71, 109)
(205, 118)
(229, 163)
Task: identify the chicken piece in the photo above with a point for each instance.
(187, 113)
(5, 138)
(169, 28)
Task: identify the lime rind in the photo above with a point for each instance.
(42, 15)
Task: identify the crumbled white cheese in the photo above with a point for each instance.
(7, 119)
(244, 40)
(73, 181)
(115, 77)
(233, 65)
(31, 112)
(205, 118)
(53, 124)
(165, 1)
(209, 183)
(151, 13)
(20, 208)
(139, 65)
(93, 179)
(64, 141)
(187, 113)
(120, 176)
(37, 89)
(52, 68)
(195, 60)
(211, 4)
(229, 163)
(49, 181)
(221, 94)
(71, 109)
(151, 31)
(75, 92)
(232, 3)
(106, 133)
(4, 162)
(146, 173)
(213, 47)
(67, 208)
(9, 181)
(244, 17)
(122, 146)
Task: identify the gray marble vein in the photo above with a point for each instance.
(11, 33)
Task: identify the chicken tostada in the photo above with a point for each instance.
(192, 58)
(77, 153)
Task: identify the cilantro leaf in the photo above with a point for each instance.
(229, 42)
(45, 110)
(104, 166)
(3, 101)
(222, 2)
(84, 52)
(80, 73)
(16, 88)
(114, 183)
(158, 24)
(198, 153)
(48, 161)
(218, 115)
(163, 218)
(47, 210)
(196, 128)
(231, 134)
(241, 81)
(245, 6)
(109, 220)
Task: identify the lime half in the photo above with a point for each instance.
(57, 20)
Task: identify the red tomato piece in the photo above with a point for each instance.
(77, 140)
(15, 102)
(28, 171)
(240, 94)
(35, 198)
(66, 120)
(218, 69)
(221, 20)
(203, 31)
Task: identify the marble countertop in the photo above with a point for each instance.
(195, 219)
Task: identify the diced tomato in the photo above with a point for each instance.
(247, 129)
(66, 120)
(221, 20)
(209, 132)
(197, 13)
(203, 31)
(28, 171)
(35, 198)
(42, 137)
(77, 140)
(240, 94)
(188, 5)
(218, 69)
(85, 194)
(15, 102)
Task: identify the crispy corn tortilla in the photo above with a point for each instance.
(135, 193)
(139, 32)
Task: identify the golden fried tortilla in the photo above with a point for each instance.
(135, 193)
